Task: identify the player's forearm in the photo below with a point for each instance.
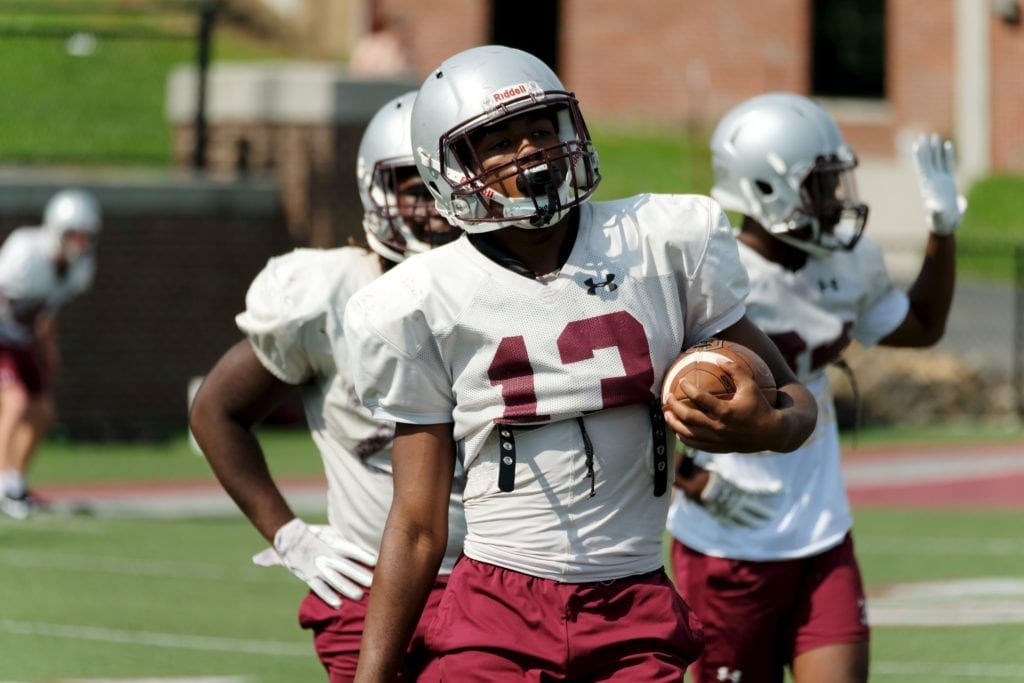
(795, 417)
(238, 462)
(235, 396)
(410, 556)
(243, 472)
(931, 295)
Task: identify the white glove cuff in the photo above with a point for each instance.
(943, 224)
(288, 535)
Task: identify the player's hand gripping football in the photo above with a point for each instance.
(745, 505)
(720, 425)
(317, 554)
(934, 163)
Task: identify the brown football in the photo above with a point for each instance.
(699, 366)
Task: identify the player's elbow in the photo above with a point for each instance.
(203, 414)
(423, 540)
(932, 334)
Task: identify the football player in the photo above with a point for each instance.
(762, 545)
(292, 324)
(41, 269)
(532, 351)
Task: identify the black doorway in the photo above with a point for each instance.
(530, 25)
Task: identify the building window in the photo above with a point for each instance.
(848, 45)
(529, 25)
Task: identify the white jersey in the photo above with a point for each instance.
(31, 285)
(811, 315)
(293, 321)
(560, 373)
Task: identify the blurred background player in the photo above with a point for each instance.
(292, 323)
(41, 269)
(763, 548)
(532, 351)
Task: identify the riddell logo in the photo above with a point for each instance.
(509, 93)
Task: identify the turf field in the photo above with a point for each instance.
(146, 594)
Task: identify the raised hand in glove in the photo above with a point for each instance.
(746, 505)
(934, 163)
(321, 558)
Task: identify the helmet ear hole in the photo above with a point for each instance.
(765, 187)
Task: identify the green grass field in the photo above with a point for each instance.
(105, 108)
(108, 598)
(99, 597)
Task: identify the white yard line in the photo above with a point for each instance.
(949, 670)
(170, 640)
(976, 601)
(175, 679)
(938, 545)
(924, 469)
(136, 567)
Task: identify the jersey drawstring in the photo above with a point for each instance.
(842, 365)
(507, 454)
(588, 448)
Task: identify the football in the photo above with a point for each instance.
(699, 366)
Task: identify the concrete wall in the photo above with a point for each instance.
(301, 122)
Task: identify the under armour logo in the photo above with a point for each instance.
(609, 282)
(828, 284)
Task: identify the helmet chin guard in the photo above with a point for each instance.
(477, 89)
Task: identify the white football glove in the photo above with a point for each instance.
(744, 505)
(934, 163)
(320, 557)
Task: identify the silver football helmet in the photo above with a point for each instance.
(73, 211)
(399, 216)
(781, 159)
(474, 90)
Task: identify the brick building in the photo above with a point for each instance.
(882, 67)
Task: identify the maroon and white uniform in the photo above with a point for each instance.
(30, 283)
(812, 315)
(550, 383)
(32, 286)
(792, 583)
(293, 318)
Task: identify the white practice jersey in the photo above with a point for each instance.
(811, 315)
(293, 320)
(30, 284)
(549, 370)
